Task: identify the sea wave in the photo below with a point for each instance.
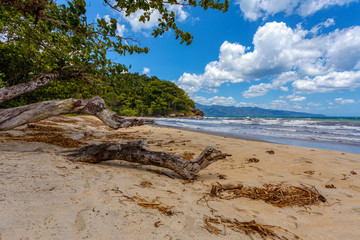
(331, 130)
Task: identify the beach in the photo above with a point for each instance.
(43, 195)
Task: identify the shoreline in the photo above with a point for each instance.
(317, 144)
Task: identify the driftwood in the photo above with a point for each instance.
(138, 152)
(14, 117)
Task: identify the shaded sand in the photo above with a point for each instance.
(44, 196)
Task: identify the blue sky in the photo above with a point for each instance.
(278, 54)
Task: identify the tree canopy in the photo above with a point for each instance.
(41, 36)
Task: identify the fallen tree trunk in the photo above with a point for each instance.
(14, 117)
(138, 152)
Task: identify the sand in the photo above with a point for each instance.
(45, 196)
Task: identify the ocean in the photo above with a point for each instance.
(341, 134)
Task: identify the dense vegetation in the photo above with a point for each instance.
(52, 49)
(127, 94)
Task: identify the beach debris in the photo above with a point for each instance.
(13, 117)
(250, 228)
(46, 134)
(157, 224)
(145, 184)
(188, 155)
(138, 152)
(278, 195)
(330, 186)
(187, 181)
(310, 172)
(222, 176)
(271, 152)
(252, 160)
(155, 204)
(353, 173)
(345, 176)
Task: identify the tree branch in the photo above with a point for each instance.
(138, 152)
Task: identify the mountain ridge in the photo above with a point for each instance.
(231, 111)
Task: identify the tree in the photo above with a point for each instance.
(42, 41)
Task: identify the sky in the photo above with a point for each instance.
(277, 54)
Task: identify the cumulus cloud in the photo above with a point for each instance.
(281, 55)
(343, 101)
(146, 70)
(296, 98)
(329, 82)
(223, 101)
(255, 9)
(277, 83)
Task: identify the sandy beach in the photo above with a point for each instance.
(43, 195)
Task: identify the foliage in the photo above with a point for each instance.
(134, 94)
(127, 94)
(42, 36)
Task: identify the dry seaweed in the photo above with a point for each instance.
(157, 224)
(40, 128)
(145, 184)
(278, 195)
(188, 155)
(251, 228)
(222, 176)
(310, 172)
(57, 139)
(187, 181)
(330, 186)
(166, 210)
(252, 160)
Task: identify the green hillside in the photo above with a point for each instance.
(128, 94)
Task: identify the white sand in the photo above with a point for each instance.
(45, 196)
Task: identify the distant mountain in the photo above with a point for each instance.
(224, 111)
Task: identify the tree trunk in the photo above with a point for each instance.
(14, 117)
(8, 93)
(138, 152)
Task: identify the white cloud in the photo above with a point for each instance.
(284, 55)
(255, 9)
(329, 22)
(146, 70)
(296, 98)
(257, 90)
(277, 83)
(344, 101)
(333, 81)
(223, 101)
(309, 7)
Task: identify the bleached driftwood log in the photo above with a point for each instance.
(14, 117)
(138, 152)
